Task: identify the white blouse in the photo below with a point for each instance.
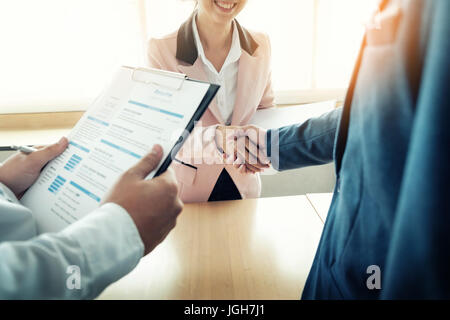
(228, 75)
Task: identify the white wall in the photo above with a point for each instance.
(318, 179)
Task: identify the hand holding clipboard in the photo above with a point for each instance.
(138, 109)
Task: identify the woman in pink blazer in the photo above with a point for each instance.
(212, 46)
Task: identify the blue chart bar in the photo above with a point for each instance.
(72, 163)
(79, 146)
(115, 146)
(57, 184)
(173, 114)
(103, 123)
(86, 192)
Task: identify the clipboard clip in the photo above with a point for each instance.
(160, 78)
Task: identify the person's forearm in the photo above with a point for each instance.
(306, 144)
(1, 174)
(76, 263)
(16, 221)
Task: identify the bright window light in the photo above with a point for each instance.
(340, 28)
(56, 55)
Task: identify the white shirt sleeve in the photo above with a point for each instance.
(16, 221)
(77, 263)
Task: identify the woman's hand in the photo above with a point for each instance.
(21, 170)
(226, 137)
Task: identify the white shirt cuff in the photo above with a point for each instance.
(110, 242)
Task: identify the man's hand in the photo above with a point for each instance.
(251, 151)
(153, 204)
(21, 170)
(244, 146)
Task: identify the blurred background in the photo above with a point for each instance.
(56, 55)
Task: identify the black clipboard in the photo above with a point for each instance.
(210, 94)
(204, 104)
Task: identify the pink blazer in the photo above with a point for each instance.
(177, 52)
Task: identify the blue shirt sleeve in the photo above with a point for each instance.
(306, 144)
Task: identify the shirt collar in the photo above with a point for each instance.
(187, 50)
(235, 49)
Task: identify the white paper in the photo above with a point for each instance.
(285, 116)
(119, 128)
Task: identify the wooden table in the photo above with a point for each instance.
(31, 137)
(36, 128)
(246, 249)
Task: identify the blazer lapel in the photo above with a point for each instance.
(247, 62)
(244, 89)
(342, 135)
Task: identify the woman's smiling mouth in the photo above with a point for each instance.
(225, 6)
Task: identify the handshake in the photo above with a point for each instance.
(244, 147)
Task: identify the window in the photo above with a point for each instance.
(314, 44)
(56, 55)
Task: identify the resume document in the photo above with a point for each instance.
(137, 110)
